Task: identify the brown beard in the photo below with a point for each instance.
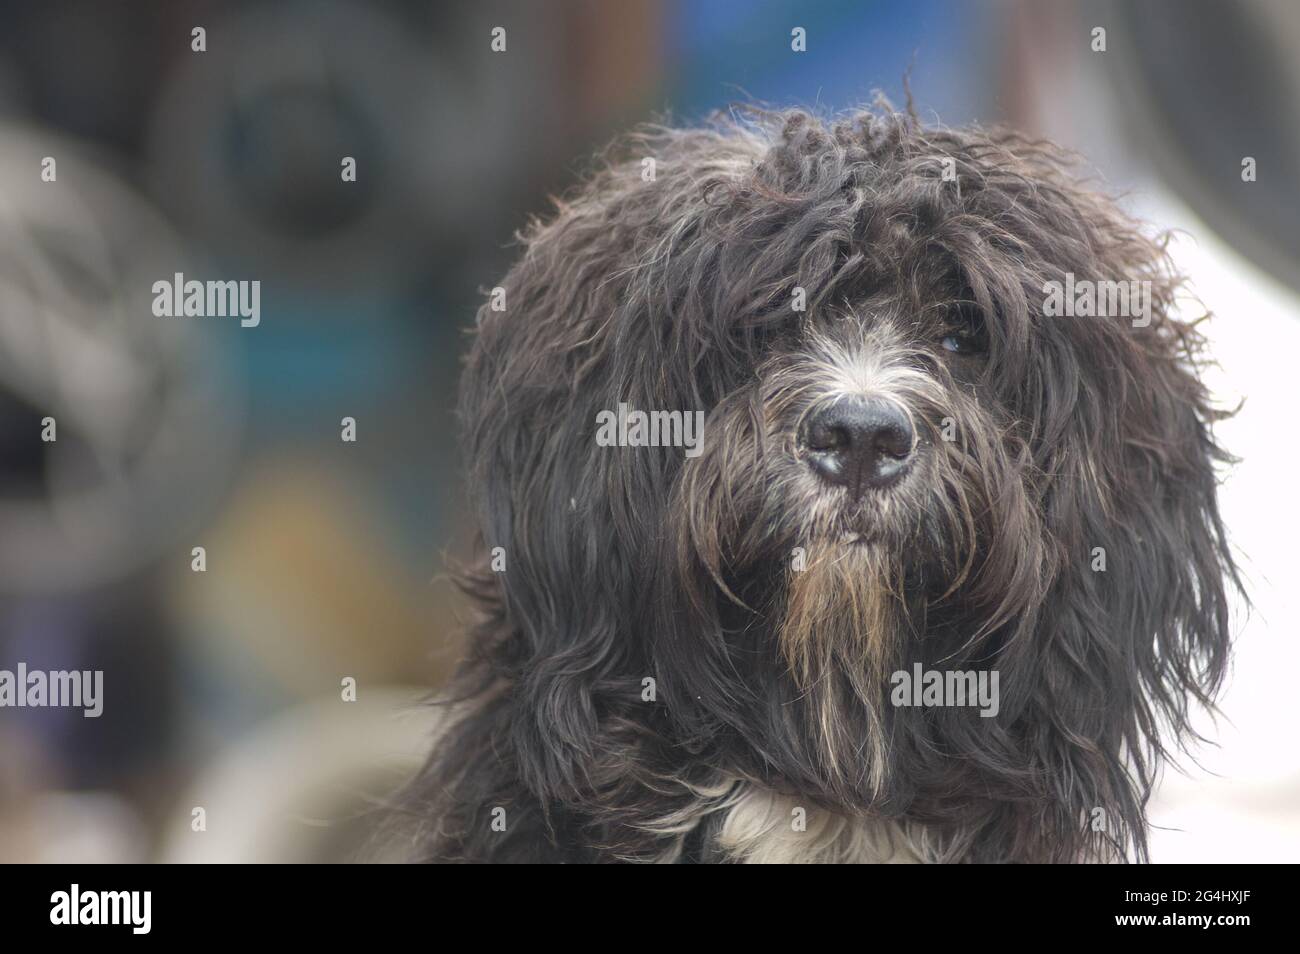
(841, 609)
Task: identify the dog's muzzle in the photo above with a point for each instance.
(859, 443)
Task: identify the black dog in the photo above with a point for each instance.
(953, 439)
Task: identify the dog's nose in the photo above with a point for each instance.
(859, 443)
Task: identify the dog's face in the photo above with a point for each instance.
(906, 459)
(868, 473)
(864, 462)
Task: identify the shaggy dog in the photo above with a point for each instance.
(913, 466)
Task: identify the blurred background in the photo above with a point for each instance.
(324, 558)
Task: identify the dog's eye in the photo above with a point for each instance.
(963, 343)
(965, 333)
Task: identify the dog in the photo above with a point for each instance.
(916, 471)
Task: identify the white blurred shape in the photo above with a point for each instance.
(1242, 802)
(280, 794)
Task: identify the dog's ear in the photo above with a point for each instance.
(1135, 627)
(554, 548)
(582, 324)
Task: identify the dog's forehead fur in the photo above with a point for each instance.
(628, 567)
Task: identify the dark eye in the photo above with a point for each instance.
(961, 343)
(965, 333)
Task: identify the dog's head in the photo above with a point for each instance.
(921, 444)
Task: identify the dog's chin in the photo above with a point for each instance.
(891, 533)
(881, 517)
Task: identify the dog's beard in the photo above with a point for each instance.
(844, 600)
(844, 611)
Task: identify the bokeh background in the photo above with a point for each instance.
(325, 559)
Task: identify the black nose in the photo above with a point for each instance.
(859, 443)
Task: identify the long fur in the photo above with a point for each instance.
(770, 675)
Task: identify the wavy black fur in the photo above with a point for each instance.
(628, 563)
